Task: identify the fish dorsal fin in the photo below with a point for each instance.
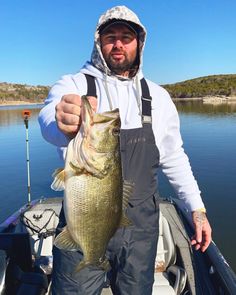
(58, 183)
(128, 189)
(64, 241)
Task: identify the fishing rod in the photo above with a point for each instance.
(26, 115)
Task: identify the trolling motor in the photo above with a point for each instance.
(26, 115)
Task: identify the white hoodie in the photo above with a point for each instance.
(114, 92)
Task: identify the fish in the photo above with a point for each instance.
(95, 194)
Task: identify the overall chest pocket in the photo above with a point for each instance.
(140, 160)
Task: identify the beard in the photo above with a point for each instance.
(119, 67)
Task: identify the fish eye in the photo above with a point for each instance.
(116, 131)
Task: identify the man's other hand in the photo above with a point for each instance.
(202, 238)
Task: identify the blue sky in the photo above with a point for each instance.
(41, 40)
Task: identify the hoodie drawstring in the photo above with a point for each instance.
(107, 92)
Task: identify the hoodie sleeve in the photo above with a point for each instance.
(47, 121)
(173, 160)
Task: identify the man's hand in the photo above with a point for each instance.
(202, 237)
(68, 113)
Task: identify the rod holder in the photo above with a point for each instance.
(26, 115)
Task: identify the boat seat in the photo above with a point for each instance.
(41, 225)
(165, 268)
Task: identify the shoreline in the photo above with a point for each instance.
(206, 99)
(18, 103)
(185, 99)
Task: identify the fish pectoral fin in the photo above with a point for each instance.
(78, 170)
(58, 183)
(64, 241)
(95, 164)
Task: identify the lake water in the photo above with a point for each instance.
(209, 134)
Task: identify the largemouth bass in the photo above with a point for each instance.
(95, 196)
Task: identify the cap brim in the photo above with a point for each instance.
(107, 26)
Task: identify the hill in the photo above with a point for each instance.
(18, 92)
(215, 85)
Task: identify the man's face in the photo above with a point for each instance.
(119, 48)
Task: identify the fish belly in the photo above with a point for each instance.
(93, 209)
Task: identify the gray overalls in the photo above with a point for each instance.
(132, 249)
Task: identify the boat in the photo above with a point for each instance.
(27, 236)
(26, 241)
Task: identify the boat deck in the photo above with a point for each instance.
(31, 231)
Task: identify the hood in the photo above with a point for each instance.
(117, 13)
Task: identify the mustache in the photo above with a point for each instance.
(117, 51)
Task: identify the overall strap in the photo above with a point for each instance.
(146, 102)
(146, 97)
(91, 87)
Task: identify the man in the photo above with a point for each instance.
(149, 139)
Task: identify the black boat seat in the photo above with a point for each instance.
(30, 283)
(165, 268)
